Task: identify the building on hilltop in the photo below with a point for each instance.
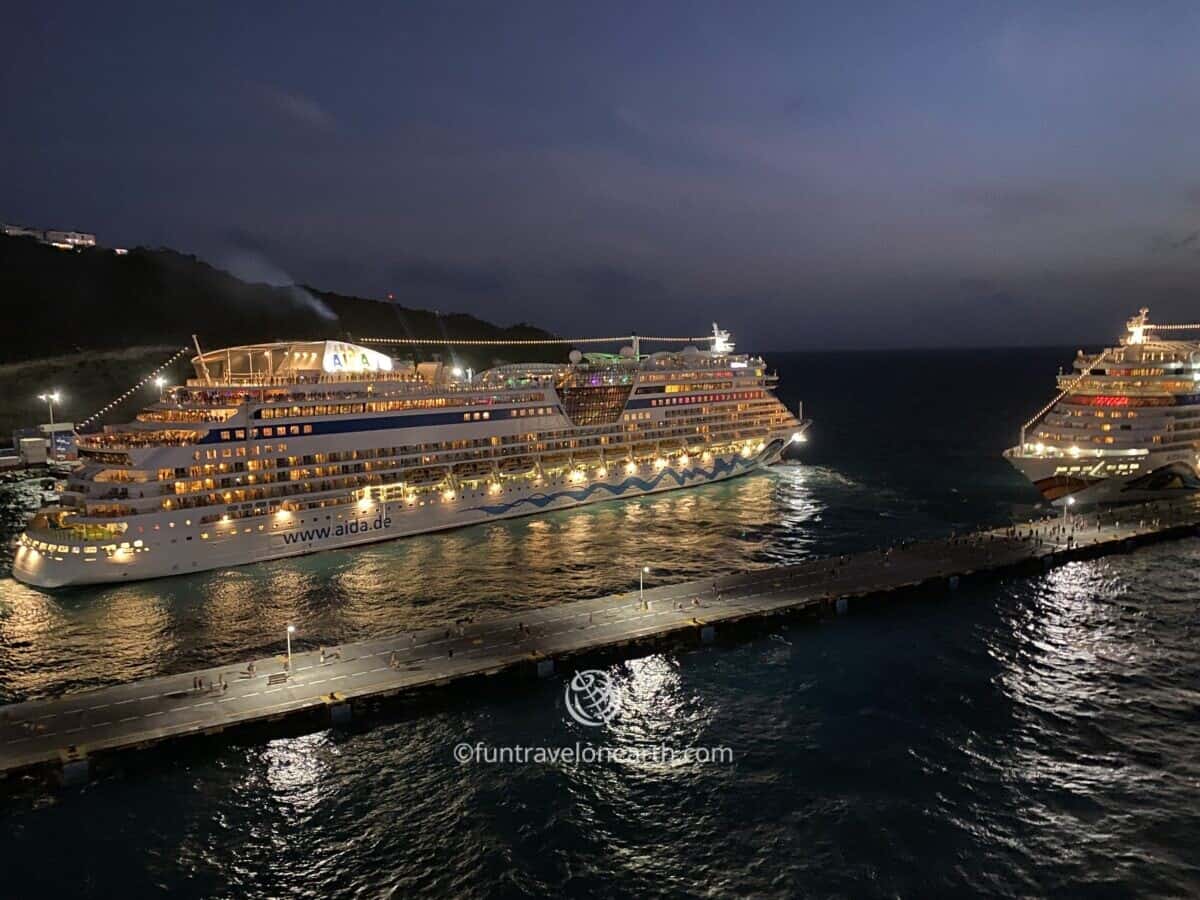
(64, 240)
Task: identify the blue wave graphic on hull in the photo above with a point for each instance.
(543, 500)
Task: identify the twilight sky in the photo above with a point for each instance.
(810, 175)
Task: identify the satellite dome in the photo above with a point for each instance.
(627, 353)
(575, 357)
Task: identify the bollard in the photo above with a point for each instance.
(708, 634)
(843, 605)
(545, 668)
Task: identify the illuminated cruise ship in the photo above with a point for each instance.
(1125, 425)
(280, 449)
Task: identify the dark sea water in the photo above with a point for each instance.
(1029, 737)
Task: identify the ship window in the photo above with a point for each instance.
(308, 429)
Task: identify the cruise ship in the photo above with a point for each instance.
(280, 449)
(1125, 424)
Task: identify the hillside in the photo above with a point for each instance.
(58, 302)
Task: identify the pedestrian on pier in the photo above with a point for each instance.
(393, 662)
(251, 668)
(590, 620)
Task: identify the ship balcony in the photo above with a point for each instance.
(1060, 450)
(132, 440)
(107, 490)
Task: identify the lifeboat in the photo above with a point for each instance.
(473, 471)
(552, 461)
(518, 465)
(426, 477)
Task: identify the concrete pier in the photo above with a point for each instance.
(67, 733)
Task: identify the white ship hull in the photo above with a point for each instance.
(166, 545)
(1063, 480)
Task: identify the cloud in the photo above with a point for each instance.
(1185, 241)
(1017, 203)
(608, 283)
(296, 107)
(442, 278)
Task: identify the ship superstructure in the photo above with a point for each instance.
(280, 449)
(1125, 425)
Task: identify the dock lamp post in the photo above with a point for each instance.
(1066, 506)
(290, 630)
(642, 573)
(160, 383)
(50, 399)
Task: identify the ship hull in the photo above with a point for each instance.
(1158, 477)
(180, 549)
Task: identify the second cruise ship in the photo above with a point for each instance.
(1125, 424)
(279, 449)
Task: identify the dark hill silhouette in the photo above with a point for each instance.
(60, 301)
